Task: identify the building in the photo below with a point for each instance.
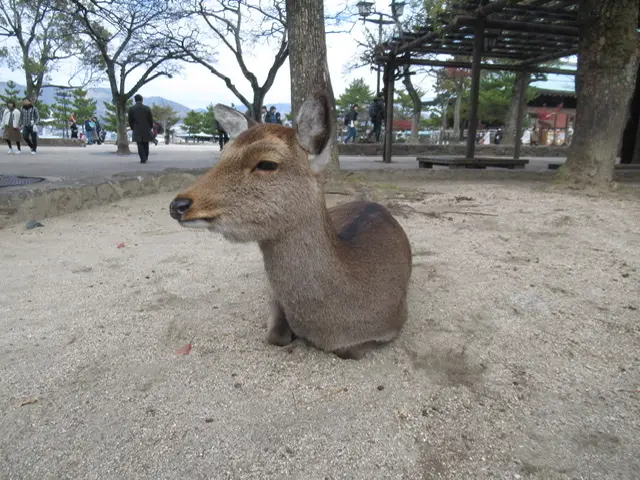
(552, 114)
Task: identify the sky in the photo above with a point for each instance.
(195, 87)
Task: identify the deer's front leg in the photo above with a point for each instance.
(278, 330)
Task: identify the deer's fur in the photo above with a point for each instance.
(338, 276)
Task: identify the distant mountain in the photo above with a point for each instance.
(102, 95)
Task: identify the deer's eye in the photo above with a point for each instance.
(266, 166)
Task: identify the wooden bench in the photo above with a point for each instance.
(478, 162)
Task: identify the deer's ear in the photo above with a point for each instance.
(232, 121)
(314, 125)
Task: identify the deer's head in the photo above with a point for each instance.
(265, 183)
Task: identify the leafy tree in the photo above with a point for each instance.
(11, 93)
(109, 122)
(167, 117)
(39, 36)
(358, 92)
(131, 38)
(209, 121)
(83, 106)
(43, 109)
(193, 122)
(62, 110)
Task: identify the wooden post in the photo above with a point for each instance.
(522, 102)
(388, 132)
(478, 44)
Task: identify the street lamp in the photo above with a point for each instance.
(365, 9)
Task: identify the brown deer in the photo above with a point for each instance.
(338, 276)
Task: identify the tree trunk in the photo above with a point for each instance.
(457, 114)
(416, 113)
(256, 106)
(122, 141)
(510, 122)
(607, 64)
(443, 124)
(629, 143)
(308, 59)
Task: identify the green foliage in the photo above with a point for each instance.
(62, 110)
(405, 104)
(11, 93)
(358, 92)
(43, 109)
(83, 106)
(165, 116)
(193, 122)
(109, 122)
(201, 122)
(209, 121)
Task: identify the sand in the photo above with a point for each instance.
(520, 359)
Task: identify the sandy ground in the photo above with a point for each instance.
(520, 359)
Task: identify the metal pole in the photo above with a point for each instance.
(475, 87)
(522, 100)
(379, 42)
(388, 132)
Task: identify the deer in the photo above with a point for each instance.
(338, 276)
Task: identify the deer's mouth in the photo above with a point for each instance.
(198, 223)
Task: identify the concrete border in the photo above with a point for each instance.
(40, 201)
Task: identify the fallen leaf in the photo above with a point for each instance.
(30, 401)
(184, 350)
(121, 245)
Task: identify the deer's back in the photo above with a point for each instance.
(371, 238)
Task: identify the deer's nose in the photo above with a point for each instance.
(179, 207)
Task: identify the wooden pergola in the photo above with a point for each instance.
(503, 35)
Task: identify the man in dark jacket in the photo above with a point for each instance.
(141, 124)
(377, 116)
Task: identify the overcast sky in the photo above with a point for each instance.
(196, 87)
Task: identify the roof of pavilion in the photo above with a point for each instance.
(518, 33)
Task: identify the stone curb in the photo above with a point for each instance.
(19, 205)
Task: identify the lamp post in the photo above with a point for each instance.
(365, 9)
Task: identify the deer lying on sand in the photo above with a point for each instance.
(338, 276)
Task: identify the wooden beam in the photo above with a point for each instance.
(522, 101)
(549, 57)
(516, 26)
(389, 78)
(475, 87)
(483, 66)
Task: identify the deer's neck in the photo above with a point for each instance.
(306, 257)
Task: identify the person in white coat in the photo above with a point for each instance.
(11, 125)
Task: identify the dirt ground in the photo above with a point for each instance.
(520, 359)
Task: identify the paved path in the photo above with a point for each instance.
(59, 164)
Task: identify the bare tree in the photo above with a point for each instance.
(308, 62)
(239, 25)
(607, 65)
(38, 38)
(130, 38)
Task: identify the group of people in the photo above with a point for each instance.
(270, 116)
(376, 117)
(92, 129)
(21, 124)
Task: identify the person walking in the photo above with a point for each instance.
(98, 131)
(350, 122)
(223, 138)
(29, 120)
(376, 114)
(141, 124)
(89, 130)
(11, 125)
(278, 118)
